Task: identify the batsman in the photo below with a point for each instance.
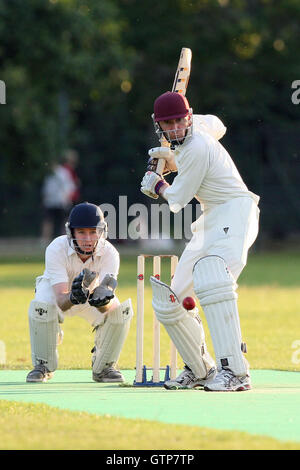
(80, 279)
(214, 258)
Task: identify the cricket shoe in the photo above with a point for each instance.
(39, 374)
(226, 381)
(110, 374)
(187, 379)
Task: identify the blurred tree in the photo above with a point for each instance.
(85, 74)
(57, 58)
(245, 58)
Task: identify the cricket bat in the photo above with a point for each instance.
(180, 84)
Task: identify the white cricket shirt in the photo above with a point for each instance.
(62, 263)
(205, 169)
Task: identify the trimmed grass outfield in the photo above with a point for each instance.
(30, 426)
(269, 302)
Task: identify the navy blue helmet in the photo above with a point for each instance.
(85, 215)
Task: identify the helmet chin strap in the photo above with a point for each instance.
(82, 252)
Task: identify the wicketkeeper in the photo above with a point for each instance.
(217, 253)
(80, 278)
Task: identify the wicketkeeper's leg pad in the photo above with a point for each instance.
(110, 336)
(45, 333)
(184, 328)
(215, 288)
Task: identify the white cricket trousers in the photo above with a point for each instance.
(227, 230)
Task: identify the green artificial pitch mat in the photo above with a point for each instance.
(271, 408)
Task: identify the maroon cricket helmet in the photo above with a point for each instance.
(170, 105)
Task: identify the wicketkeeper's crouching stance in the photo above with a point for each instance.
(80, 278)
(217, 253)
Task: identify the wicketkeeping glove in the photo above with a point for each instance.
(81, 285)
(103, 294)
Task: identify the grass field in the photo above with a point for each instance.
(269, 302)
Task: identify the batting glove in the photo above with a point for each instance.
(151, 183)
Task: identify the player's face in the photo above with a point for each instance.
(86, 238)
(175, 128)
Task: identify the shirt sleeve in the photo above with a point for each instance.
(210, 124)
(110, 263)
(192, 167)
(55, 265)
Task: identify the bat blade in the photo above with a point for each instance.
(180, 85)
(183, 71)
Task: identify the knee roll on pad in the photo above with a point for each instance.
(110, 337)
(213, 282)
(45, 333)
(165, 303)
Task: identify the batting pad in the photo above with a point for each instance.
(185, 329)
(110, 337)
(215, 288)
(45, 334)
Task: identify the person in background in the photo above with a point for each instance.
(57, 192)
(71, 159)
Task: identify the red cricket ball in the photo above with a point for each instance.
(189, 303)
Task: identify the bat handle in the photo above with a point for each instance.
(160, 166)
